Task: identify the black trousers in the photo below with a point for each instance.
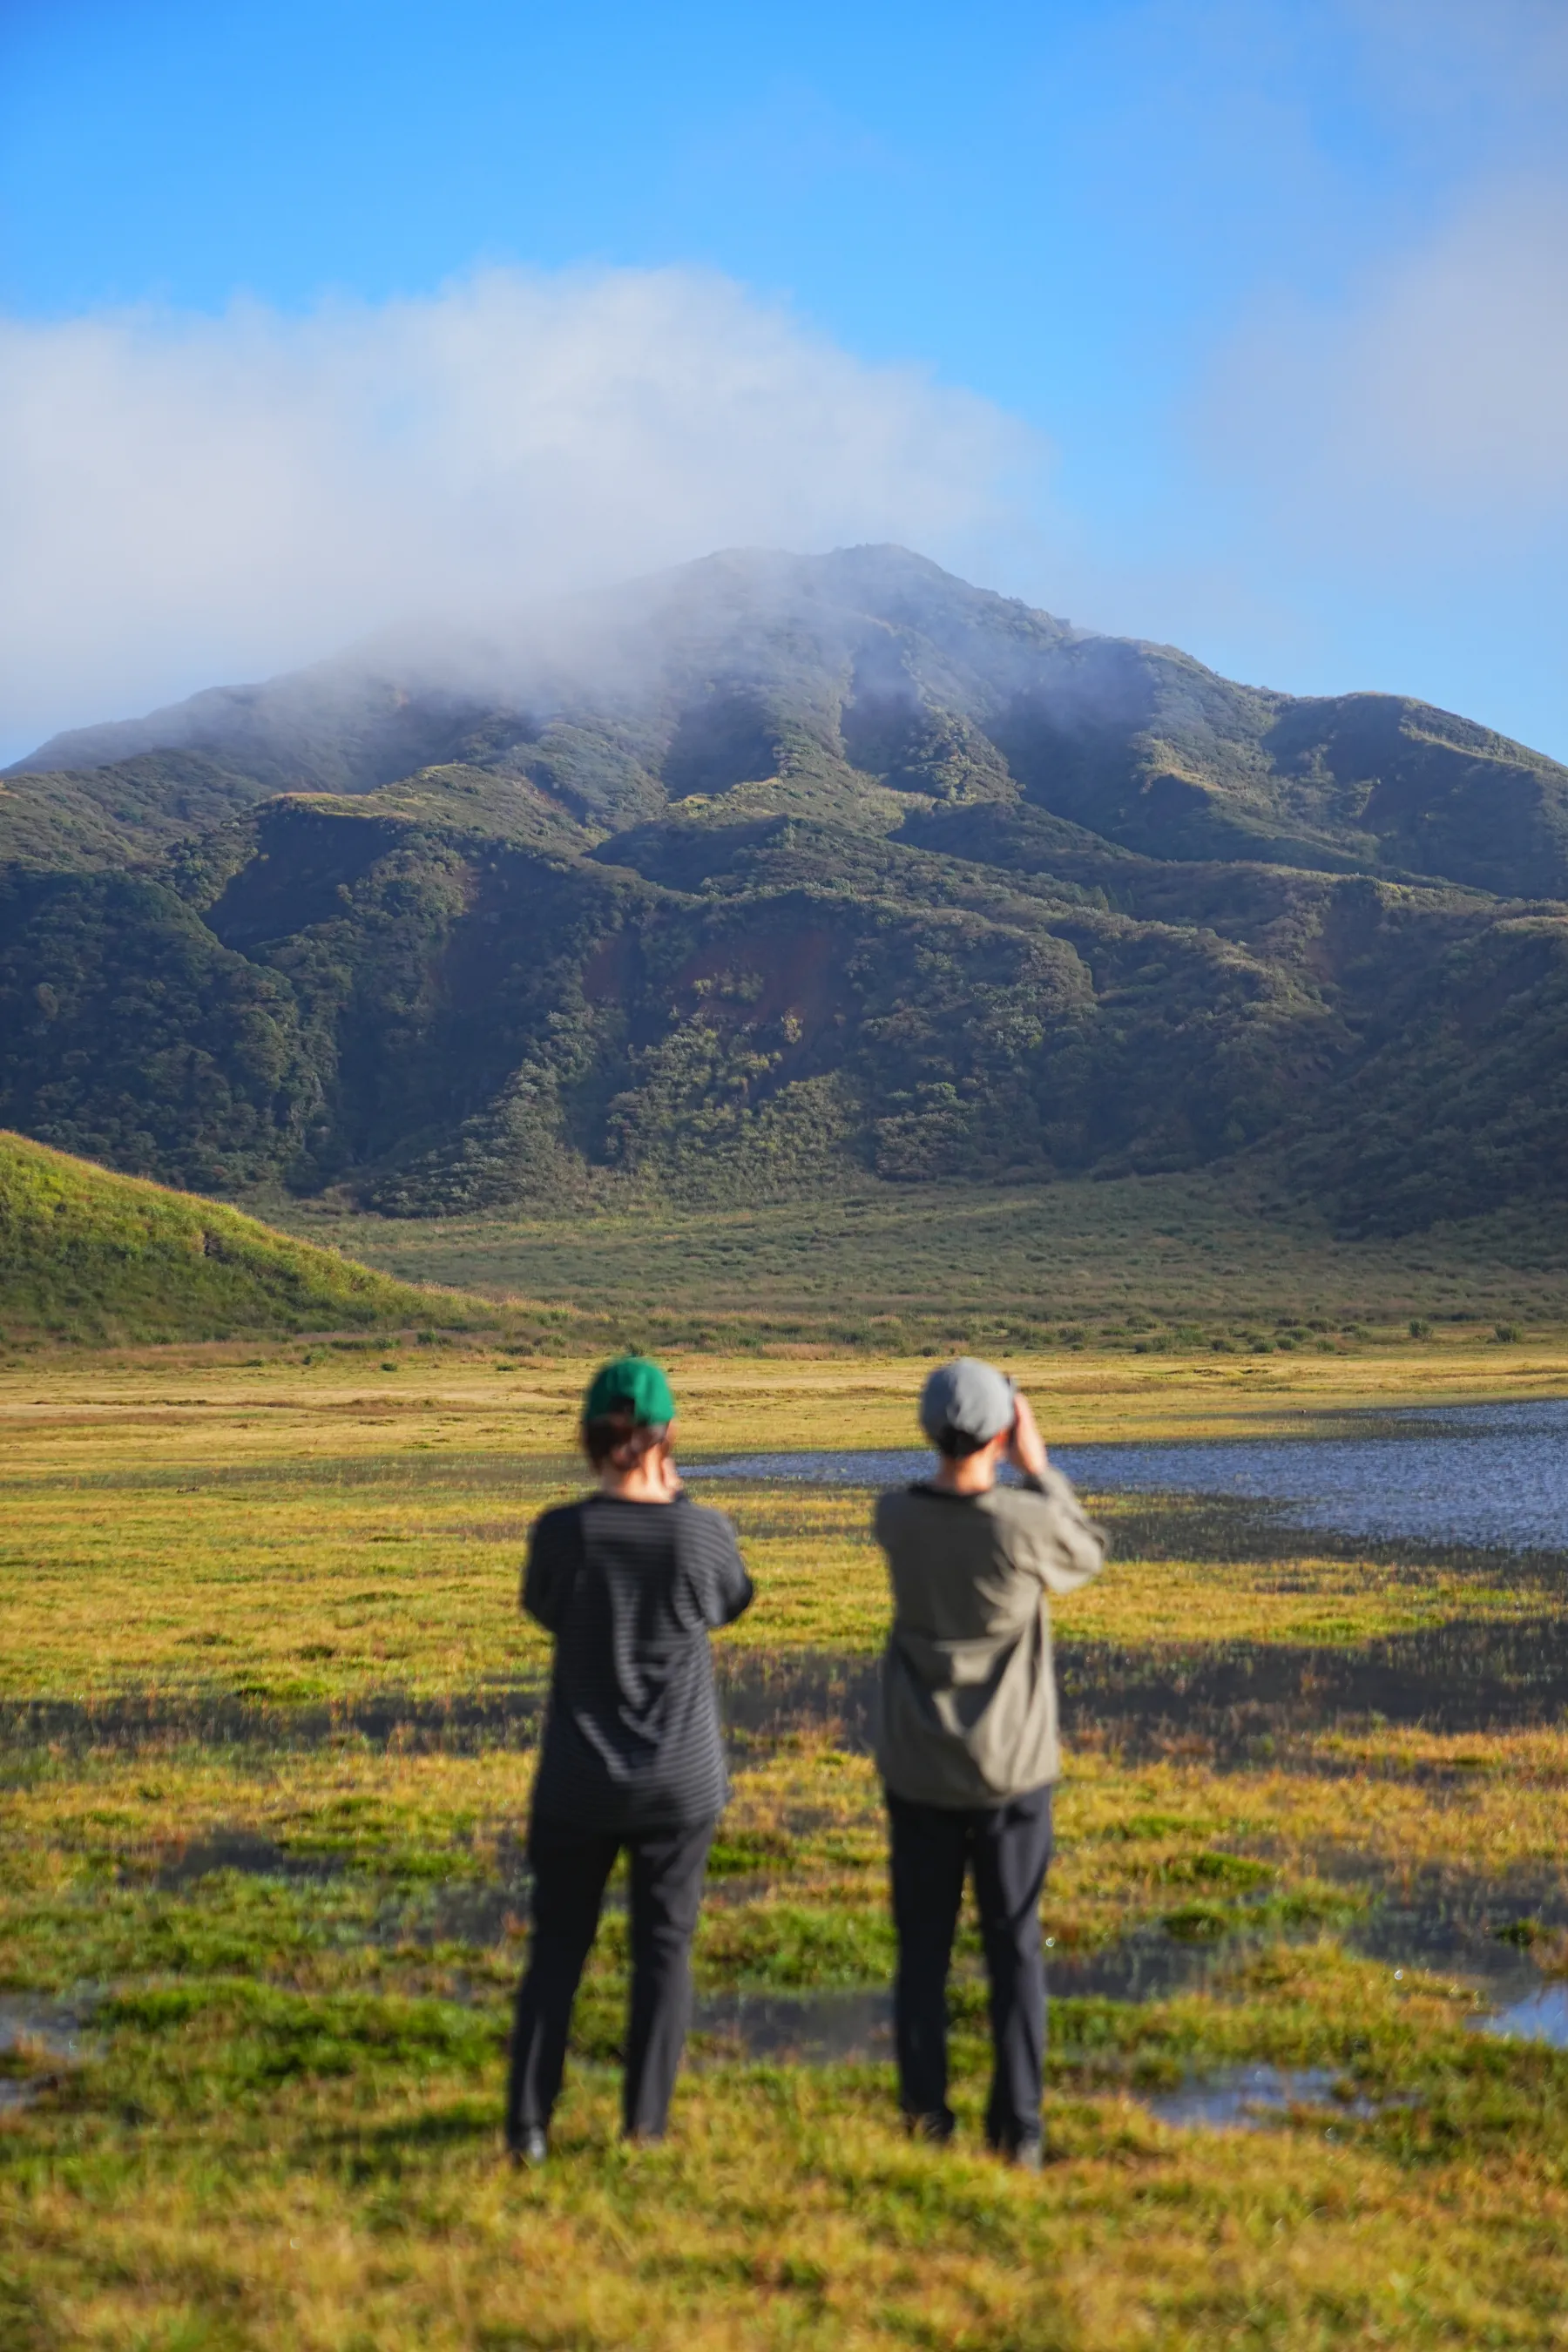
(1008, 1847)
(570, 1869)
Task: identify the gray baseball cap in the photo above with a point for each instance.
(971, 1399)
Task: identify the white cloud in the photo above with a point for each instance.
(188, 501)
(1431, 410)
(1489, 75)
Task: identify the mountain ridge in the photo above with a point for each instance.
(1162, 752)
(777, 869)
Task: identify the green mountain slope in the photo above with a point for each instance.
(871, 678)
(87, 1255)
(775, 872)
(111, 816)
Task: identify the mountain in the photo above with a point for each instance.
(778, 871)
(88, 1255)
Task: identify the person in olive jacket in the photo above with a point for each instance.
(967, 1737)
(630, 1580)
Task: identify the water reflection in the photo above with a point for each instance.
(1244, 2098)
(1538, 2016)
(855, 2028)
(40, 2037)
(1485, 1475)
(828, 2029)
(57, 2028)
(819, 2029)
(1444, 1923)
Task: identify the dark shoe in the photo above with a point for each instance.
(937, 2129)
(529, 2147)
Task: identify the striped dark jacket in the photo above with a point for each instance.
(630, 1592)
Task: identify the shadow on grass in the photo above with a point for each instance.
(503, 1714)
(1235, 1701)
(369, 2149)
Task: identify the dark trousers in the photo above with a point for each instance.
(570, 1868)
(1008, 1847)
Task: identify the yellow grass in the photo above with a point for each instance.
(289, 2136)
(192, 1403)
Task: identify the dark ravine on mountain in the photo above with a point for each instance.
(793, 871)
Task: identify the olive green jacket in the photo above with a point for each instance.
(968, 1696)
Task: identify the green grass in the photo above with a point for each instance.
(253, 2166)
(88, 1255)
(1143, 1263)
(284, 2132)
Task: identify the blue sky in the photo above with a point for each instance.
(1240, 326)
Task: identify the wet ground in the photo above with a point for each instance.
(1541, 2015)
(241, 1849)
(39, 2040)
(1489, 1486)
(1249, 2098)
(856, 2028)
(1450, 1926)
(832, 2028)
(1502, 1938)
(819, 2029)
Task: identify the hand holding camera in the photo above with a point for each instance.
(1026, 1449)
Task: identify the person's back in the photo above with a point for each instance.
(631, 1581)
(631, 1591)
(969, 1700)
(967, 1737)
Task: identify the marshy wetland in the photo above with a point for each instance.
(269, 1713)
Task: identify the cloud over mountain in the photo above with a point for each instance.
(189, 495)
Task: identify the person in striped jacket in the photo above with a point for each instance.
(630, 1580)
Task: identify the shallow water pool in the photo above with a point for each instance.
(1492, 1475)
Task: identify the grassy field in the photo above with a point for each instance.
(268, 1711)
(1156, 1262)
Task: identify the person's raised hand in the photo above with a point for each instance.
(1028, 1447)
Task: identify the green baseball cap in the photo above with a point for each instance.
(632, 1384)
